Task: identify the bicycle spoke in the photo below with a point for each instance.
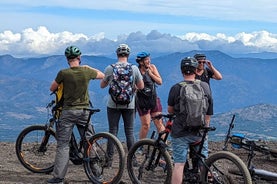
(34, 154)
(147, 164)
(226, 168)
(103, 165)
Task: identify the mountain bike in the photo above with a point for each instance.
(36, 149)
(149, 161)
(239, 141)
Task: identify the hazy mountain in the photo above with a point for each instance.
(246, 82)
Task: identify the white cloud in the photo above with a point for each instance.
(19, 116)
(39, 42)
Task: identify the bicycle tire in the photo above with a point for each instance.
(28, 150)
(96, 153)
(226, 168)
(138, 163)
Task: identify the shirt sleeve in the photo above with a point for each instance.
(210, 73)
(173, 94)
(59, 77)
(108, 73)
(93, 73)
(137, 74)
(207, 91)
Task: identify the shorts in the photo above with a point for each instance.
(157, 108)
(211, 108)
(180, 147)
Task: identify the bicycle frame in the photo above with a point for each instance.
(153, 160)
(191, 170)
(160, 142)
(76, 155)
(195, 157)
(36, 144)
(251, 147)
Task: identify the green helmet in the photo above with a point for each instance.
(188, 65)
(72, 52)
(123, 50)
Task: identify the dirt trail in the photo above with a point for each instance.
(12, 172)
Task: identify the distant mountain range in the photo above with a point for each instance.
(248, 88)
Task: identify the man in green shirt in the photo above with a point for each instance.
(75, 80)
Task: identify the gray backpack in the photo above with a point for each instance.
(193, 104)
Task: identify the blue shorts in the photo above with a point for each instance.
(180, 147)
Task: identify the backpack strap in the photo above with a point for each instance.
(183, 83)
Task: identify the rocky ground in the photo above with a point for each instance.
(12, 172)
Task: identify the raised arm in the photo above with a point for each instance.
(154, 74)
(217, 75)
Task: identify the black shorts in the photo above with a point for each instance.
(211, 108)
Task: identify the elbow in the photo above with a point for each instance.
(140, 85)
(103, 84)
(219, 77)
(159, 82)
(170, 109)
(100, 75)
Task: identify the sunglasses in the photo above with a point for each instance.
(201, 62)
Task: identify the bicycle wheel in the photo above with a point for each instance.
(103, 165)
(226, 168)
(148, 163)
(34, 154)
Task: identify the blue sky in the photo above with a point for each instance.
(46, 27)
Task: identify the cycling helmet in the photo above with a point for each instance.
(198, 56)
(188, 65)
(141, 56)
(123, 50)
(72, 52)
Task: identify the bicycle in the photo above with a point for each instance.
(36, 149)
(149, 161)
(239, 141)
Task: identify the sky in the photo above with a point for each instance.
(36, 28)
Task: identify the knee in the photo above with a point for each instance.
(145, 126)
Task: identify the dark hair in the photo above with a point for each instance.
(198, 56)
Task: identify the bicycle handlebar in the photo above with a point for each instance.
(91, 111)
(169, 116)
(50, 104)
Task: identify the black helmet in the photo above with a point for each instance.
(198, 56)
(141, 56)
(188, 65)
(72, 52)
(123, 50)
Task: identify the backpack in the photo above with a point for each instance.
(193, 104)
(146, 98)
(121, 86)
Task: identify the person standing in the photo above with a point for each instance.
(148, 104)
(181, 136)
(127, 111)
(75, 80)
(205, 74)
